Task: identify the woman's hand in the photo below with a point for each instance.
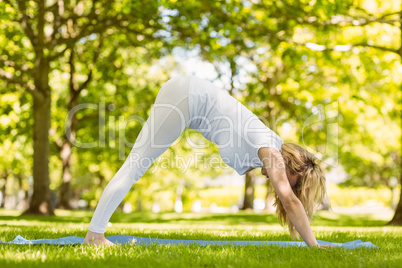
(325, 246)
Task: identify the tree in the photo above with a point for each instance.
(397, 219)
(340, 39)
(365, 162)
(288, 31)
(45, 31)
(14, 136)
(282, 60)
(65, 145)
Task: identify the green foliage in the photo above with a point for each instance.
(261, 51)
(359, 196)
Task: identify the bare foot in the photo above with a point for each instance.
(96, 239)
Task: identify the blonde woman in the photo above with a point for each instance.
(244, 142)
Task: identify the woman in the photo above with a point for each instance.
(244, 143)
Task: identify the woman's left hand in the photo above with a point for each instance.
(325, 246)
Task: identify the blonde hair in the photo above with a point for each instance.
(310, 188)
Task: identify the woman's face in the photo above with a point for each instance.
(292, 178)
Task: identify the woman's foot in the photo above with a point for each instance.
(96, 239)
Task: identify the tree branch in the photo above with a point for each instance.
(9, 2)
(56, 55)
(245, 25)
(24, 20)
(58, 144)
(59, 20)
(301, 16)
(317, 47)
(12, 79)
(345, 20)
(360, 21)
(94, 61)
(57, 10)
(376, 47)
(348, 47)
(400, 48)
(99, 28)
(41, 23)
(76, 89)
(22, 68)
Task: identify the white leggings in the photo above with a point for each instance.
(169, 117)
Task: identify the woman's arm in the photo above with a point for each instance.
(275, 167)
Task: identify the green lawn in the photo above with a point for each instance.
(241, 226)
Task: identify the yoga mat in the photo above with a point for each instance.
(126, 239)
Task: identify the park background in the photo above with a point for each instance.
(324, 74)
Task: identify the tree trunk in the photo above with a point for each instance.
(65, 155)
(101, 180)
(248, 192)
(71, 124)
(65, 191)
(40, 202)
(268, 198)
(397, 219)
(3, 201)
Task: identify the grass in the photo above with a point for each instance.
(240, 226)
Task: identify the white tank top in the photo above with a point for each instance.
(227, 123)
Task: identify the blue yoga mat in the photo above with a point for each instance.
(126, 239)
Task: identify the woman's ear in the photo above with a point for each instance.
(264, 172)
(293, 178)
